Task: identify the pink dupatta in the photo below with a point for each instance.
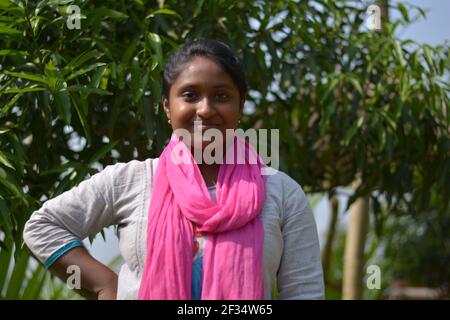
(233, 256)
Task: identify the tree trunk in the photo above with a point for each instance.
(328, 249)
(384, 6)
(354, 249)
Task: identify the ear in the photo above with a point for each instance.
(165, 103)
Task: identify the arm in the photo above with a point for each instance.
(300, 274)
(54, 233)
(97, 281)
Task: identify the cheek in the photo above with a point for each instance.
(181, 112)
(231, 114)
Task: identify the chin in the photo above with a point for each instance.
(202, 145)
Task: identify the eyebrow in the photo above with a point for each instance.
(218, 85)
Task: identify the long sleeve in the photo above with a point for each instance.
(62, 222)
(300, 274)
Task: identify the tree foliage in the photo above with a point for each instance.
(348, 101)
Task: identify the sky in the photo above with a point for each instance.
(433, 30)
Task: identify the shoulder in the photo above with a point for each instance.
(285, 191)
(280, 182)
(123, 168)
(279, 178)
(123, 175)
(126, 183)
(124, 171)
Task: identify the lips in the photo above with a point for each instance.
(206, 126)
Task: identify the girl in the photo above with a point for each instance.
(189, 230)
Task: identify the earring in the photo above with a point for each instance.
(168, 121)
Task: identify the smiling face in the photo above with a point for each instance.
(204, 92)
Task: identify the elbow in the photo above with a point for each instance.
(28, 232)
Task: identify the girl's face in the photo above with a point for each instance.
(203, 92)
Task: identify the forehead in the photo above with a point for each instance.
(202, 71)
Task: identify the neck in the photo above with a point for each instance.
(210, 173)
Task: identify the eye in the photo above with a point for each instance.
(189, 95)
(222, 96)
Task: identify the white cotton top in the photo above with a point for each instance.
(120, 195)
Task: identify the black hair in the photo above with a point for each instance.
(212, 49)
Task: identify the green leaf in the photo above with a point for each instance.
(91, 238)
(389, 120)
(156, 90)
(4, 29)
(4, 160)
(89, 90)
(13, 189)
(138, 81)
(135, 77)
(5, 222)
(8, 4)
(154, 42)
(28, 76)
(63, 185)
(60, 168)
(428, 58)
(403, 11)
(82, 117)
(105, 12)
(142, 85)
(128, 53)
(17, 146)
(85, 70)
(163, 11)
(80, 60)
(10, 104)
(115, 262)
(62, 103)
(79, 175)
(52, 75)
(59, 2)
(99, 75)
(103, 150)
(329, 88)
(17, 276)
(5, 261)
(148, 118)
(198, 8)
(102, 233)
(374, 61)
(35, 284)
(351, 132)
(22, 90)
(399, 52)
(354, 81)
(5, 4)
(6, 52)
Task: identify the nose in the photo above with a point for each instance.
(205, 108)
